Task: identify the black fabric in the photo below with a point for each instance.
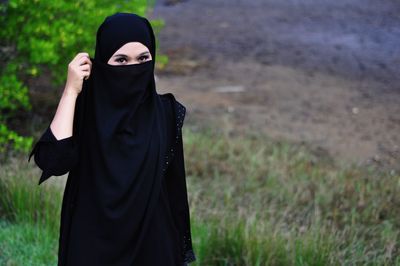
(125, 201)
(121, 28)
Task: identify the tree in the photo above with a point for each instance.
(38, 34)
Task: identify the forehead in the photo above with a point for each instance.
(132, 47)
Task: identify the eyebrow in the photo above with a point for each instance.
(128, 56)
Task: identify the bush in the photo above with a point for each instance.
(39, 34)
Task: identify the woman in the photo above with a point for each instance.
(125, 200)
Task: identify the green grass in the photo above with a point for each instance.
(26, 244)
(253, 202)
(23, 201)
(29, 216)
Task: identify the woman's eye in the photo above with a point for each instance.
(143, 58)
(119, 60)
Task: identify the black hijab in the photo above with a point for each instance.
(123, 142)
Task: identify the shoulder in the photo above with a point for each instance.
(178, 108)
(171, 98)
(174, 107)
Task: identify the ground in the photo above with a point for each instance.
(319, 72)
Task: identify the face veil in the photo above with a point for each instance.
(125, 87)
(122, 135)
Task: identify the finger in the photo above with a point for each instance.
(83, 54)
(84, 67)
(84, 60)
(80, 55)
(85, 73)
(86, 76)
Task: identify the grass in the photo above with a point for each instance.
(26, 244)
(29, 216)
(253, 202)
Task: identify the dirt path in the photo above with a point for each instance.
(321, 72)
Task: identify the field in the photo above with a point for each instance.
(291, 137)
(253, 201)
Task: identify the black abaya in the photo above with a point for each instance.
(125, 201)
(171, 220)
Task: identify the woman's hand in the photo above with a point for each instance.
(78, 69)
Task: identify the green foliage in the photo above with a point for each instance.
(38, 34)
(9, 137)
(14, 94)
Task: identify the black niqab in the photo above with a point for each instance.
(123, 144)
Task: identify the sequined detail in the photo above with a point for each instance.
(187, 254)
(187, 251)
(180, 112)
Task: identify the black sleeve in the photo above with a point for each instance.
(58, 157)
(178, 196)
(52, 156)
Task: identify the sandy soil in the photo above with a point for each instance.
(319, 72)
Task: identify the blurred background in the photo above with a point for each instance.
(292, 147)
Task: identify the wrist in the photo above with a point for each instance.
(70, 92)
